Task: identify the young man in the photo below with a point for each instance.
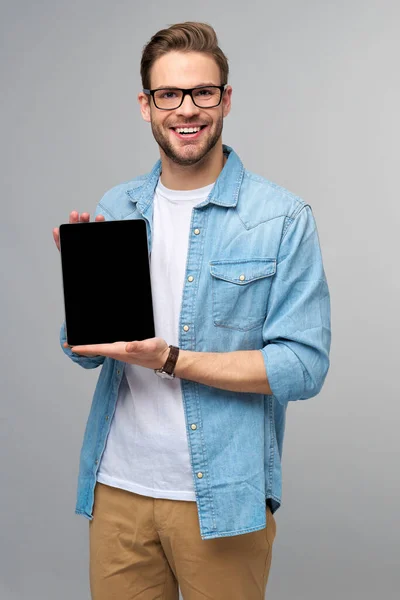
(180, 469)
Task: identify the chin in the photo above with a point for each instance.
(186, 161)
(186, 158)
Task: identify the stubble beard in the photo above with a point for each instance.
(199, 150)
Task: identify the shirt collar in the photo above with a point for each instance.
(224, 193)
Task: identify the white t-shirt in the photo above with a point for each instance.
(147, 448)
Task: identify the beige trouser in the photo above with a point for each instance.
(142, 548)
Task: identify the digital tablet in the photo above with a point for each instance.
(106, 282)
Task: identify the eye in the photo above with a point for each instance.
(203, 92)
(167, 95)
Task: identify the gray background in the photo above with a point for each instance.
(316, 98)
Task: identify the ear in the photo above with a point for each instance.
(226, 101)
(144, 101)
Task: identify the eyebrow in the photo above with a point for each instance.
(175, 87)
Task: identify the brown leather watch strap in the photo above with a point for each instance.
(170, 363)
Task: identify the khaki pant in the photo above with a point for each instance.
(142, 548)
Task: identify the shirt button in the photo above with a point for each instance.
(193, 426)
(118, 372)
(96, 462)
(190, 278)
(242, 278)
(199, 475)
(197, 231)
(186, 328)
(106, 417)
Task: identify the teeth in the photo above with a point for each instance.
(187, 129)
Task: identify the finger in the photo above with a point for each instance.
(85, 217)
(80, 349)
(74, 216)
(83, 353)
(100, 218)
(105, 349)
(56, 237)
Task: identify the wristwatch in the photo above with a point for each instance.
(167, 371)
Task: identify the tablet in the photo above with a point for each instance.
(106, 282)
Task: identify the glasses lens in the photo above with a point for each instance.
(207, 96)
(168, 98)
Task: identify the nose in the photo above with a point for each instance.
(188, 107)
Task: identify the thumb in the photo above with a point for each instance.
(132, 346)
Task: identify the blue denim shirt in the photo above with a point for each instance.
(259, 284)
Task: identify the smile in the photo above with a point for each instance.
(189, 133)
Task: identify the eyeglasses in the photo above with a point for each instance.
(207, 96)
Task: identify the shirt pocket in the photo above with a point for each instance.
(240, 290)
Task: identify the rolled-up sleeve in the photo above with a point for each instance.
(87, 362)
(297, 328)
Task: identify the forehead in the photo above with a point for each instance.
(184, 70)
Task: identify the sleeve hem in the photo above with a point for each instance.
(284, 372)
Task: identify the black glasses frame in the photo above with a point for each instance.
(187, 91)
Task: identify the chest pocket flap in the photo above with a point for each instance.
(243, 271)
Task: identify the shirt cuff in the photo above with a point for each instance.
(284, 372)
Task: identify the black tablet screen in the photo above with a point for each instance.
(106, 281)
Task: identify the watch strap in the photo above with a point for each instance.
(171, 361)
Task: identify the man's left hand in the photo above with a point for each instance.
(151, 353)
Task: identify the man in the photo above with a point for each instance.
(180, 475)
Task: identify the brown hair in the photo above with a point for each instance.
(183, 37)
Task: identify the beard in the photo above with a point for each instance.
(192, 152)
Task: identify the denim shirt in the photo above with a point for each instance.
(259, 284)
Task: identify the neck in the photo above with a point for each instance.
(192, 177)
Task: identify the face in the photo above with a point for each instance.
(185, 70)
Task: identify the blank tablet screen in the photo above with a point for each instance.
(106, 281)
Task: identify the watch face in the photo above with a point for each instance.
(164, 375)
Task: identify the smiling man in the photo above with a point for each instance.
(187, 123)
(180, 470)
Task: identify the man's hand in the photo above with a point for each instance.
(74, 218)
(151, 353)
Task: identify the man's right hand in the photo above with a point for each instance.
(75, 218)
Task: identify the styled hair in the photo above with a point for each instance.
(183, 37)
